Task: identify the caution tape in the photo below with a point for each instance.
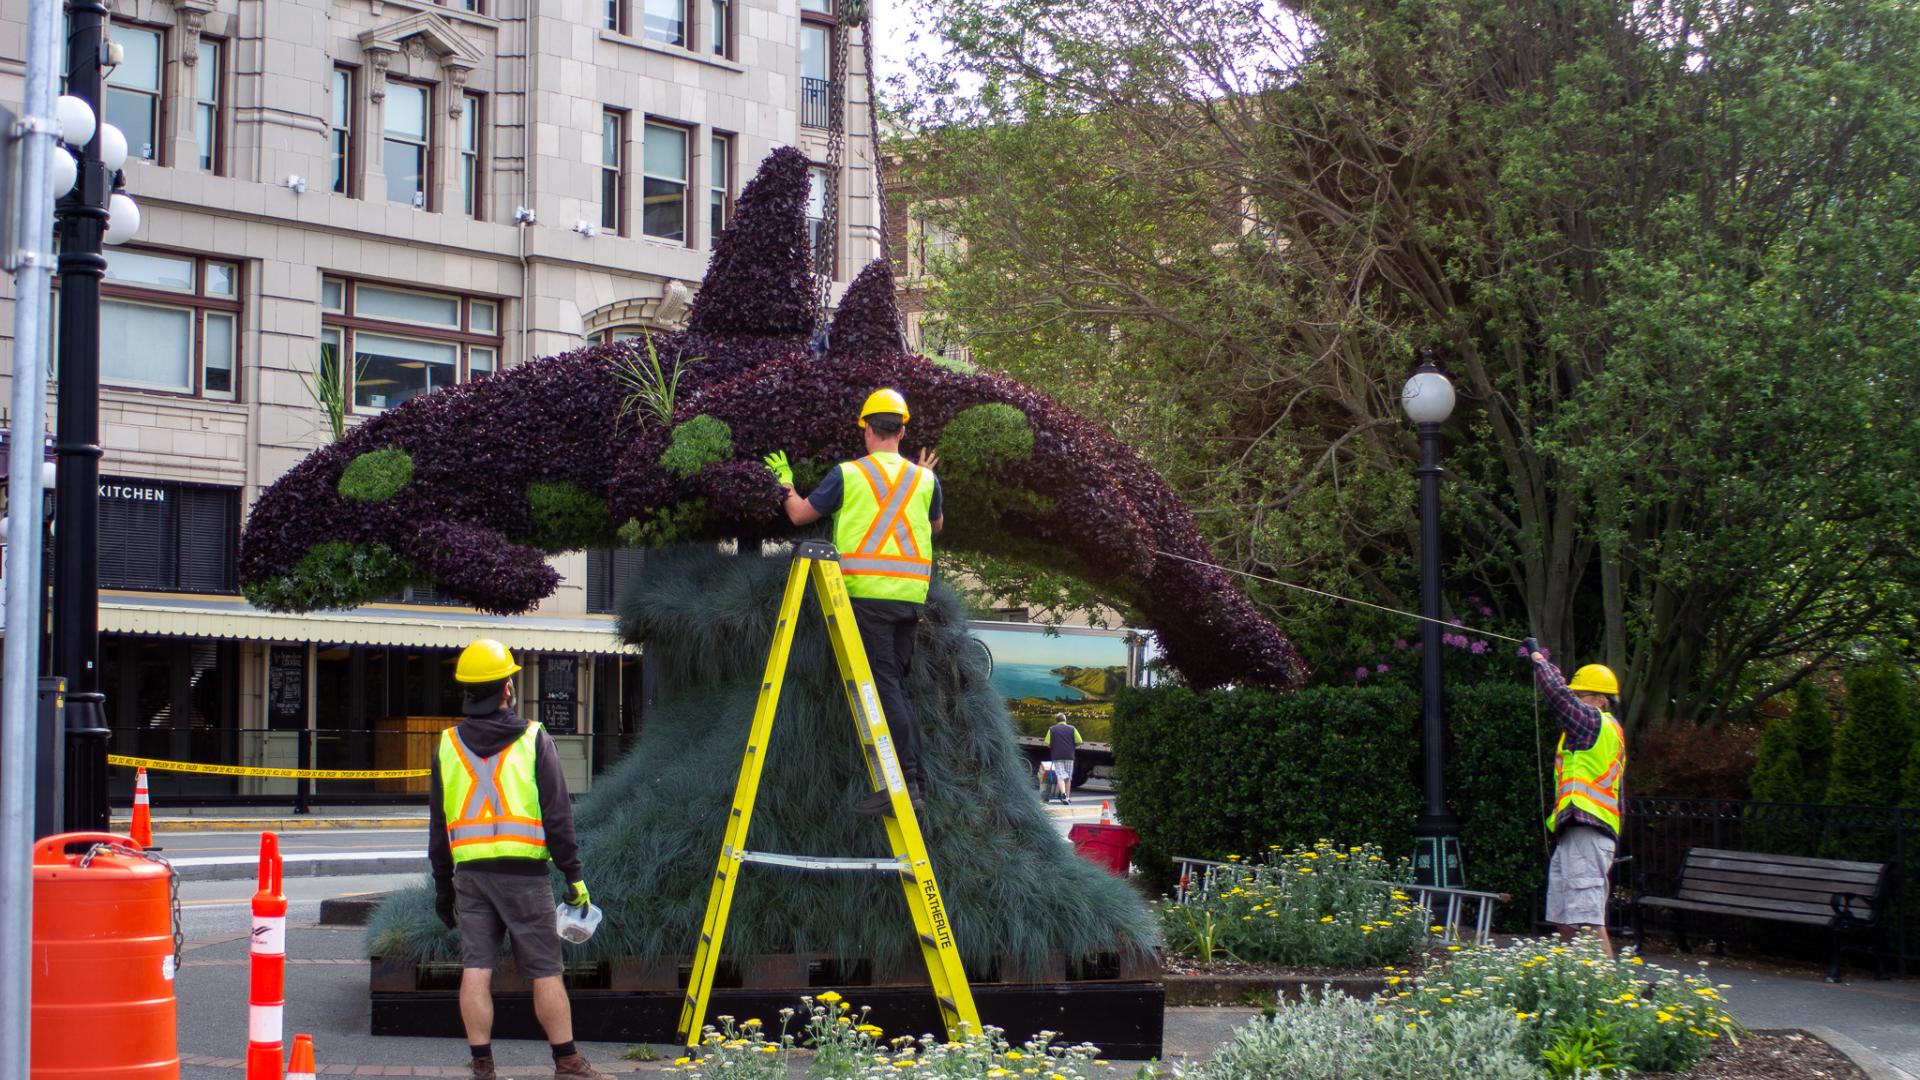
(158, 765)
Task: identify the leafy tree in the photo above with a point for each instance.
(1666, 250)
(1874, 743)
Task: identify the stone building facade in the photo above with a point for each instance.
(408, 194)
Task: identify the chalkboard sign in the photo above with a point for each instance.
(287, 688)
(559, 693)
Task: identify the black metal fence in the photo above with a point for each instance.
(816, 103)
(1660, 830)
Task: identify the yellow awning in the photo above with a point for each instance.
(184, 615)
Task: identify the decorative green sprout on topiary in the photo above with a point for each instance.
(377, 475)
(697, 443)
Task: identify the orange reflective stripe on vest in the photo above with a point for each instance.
(1589, 779)
(894, 544)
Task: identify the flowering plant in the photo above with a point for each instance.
(1323, 906)
(1660, 1020)
(846, 1046)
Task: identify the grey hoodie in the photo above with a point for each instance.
(488, 735)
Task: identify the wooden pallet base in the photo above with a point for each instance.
(1123, 1019)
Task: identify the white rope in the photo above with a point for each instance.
(1342, 599)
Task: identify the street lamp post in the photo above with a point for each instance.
(1428, 401)
(93, 214)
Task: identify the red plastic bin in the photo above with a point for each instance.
(1107, 846)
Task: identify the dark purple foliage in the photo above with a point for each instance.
(867, 322)
(1083, 501)
(760, 279)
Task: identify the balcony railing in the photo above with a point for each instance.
(816, 103)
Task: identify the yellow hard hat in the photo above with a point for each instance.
(884, 400)
(1595, 679)
(484, 661)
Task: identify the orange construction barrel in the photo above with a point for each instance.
(1109, 846)
(103, 962)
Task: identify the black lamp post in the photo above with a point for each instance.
(1428, 400)
(84, 223)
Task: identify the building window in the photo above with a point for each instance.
(133, 90)
(720, 27)
(613, 335)
(407, 144)
(719, 190)
(820, 238)
(471, 125)
(816, 69)
(207, 79)
(404, 342)
(665, 21)
(613, 171)
(664, 196)
(342, 133)
(613, 15)
(818, 7)
(170, 323)
(931, 243)
(171, 537)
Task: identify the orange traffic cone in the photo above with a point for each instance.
(300, 1065)
(142, 811)
(1106, 812)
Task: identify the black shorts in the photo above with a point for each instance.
(517, 905)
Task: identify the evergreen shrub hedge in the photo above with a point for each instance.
(1214, 773)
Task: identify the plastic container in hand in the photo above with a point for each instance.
(574, 924)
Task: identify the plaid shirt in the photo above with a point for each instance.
(1581, 723)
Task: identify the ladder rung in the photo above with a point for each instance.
(822, 862)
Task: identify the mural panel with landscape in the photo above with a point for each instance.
(1075, 670)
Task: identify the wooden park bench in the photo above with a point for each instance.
(1845, 897)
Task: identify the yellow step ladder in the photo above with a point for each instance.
(818, 560)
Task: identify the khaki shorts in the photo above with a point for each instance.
(1577, 876)
(517, 905)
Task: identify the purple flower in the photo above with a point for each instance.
(1473, 599)
(1455, 622)
(1360, 672)
(1400, 643)
(1479, 647)
(1380, 669)
(1485, 610)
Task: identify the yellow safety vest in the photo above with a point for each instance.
(492, 804)
(883, 528)
(1590, 779)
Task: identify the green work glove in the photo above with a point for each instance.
(580, 898)
(783, 472)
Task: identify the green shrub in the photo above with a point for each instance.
(1315, 907)
(697, 443)
(1655, 1020)
(566, 518)
(1337, 1038)
(1778, 773)
(1208, 774)
(1871, 747)
(333, 574)
(982, 439)
(376, 475)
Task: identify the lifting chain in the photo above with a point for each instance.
(173, 888)
(853, 13)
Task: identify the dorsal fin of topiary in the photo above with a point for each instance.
(760, 280)
(868, 321)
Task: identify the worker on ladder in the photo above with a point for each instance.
(885, 511)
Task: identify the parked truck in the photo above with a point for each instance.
(1044, 670)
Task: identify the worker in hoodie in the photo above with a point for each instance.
(500, 816)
